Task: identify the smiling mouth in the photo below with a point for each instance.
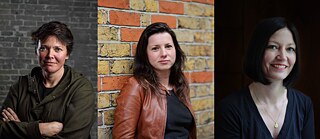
(278, 66)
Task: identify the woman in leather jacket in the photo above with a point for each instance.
(155, 102)
(53, 101)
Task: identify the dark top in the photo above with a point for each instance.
(44, 91)
(179, 118)
(237, 117)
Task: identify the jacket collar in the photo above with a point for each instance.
(35, 76)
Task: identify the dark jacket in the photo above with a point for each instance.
(72, 103)
(142, 115)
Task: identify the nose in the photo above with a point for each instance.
(281, 54)
(49, 54)
(163, 52)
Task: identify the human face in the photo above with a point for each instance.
(52, 55)
(161, 52)
(279, 56)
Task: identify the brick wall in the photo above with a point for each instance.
(18, 18)
(120, 24)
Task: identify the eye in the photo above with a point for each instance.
(169, 46)
(273, 47)
(57, 49)
(155, 48)
(291, 49)
(42, 48)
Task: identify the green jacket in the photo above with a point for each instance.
(72, 103)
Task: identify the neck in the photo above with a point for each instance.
(268, 94)
(50, 80)
(164, 78)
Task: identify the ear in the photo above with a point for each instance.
(67, 57)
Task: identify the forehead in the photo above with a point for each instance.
(283, 35)
(53, 41)
(163, 37)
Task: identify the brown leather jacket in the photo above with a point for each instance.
(142, 115)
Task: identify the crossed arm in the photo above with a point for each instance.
(46, 129)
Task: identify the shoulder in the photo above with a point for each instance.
(299, 97)
(237, 102)
(131, 87)
(131, 92)
(236, 98)
(76, 77)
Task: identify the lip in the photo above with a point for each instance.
(164, 61)
(49, 63)
(279, 66)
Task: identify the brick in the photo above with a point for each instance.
(210, 2)
(211, 92)
(104, 133)
(205, 24)
(204, 103)
(99, 83)
(137, 5)
(145, 19)
(103, 100)
(197, 9)
(107, 33)
(208, 11)
(192, 91)
(209, 37)
(184, 35)
(113, 99)
(170, 20)
(200, 1)
(171, 7)
(190, 64)
(199, 37)
(127, 34)
(205, 117)
(151, 5)
(201, 77)
(99, 119)
(210, 63)
(114, 49)
(202, 90)
(102, 16)
(200, 64)
(103, 67)
(205, 131)
(122, 67)
(200, 51)
(189, 22)
(109, 117)
(113, 82)
(124, 18)
(121, 4)
(184, 48)
(134, 49)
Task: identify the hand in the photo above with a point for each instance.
(9, 115)
(50, 129)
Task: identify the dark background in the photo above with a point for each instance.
(18, 18)
(235, 21)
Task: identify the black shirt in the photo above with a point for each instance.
(179, 118)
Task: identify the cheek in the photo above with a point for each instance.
(42, 56)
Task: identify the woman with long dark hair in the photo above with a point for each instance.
(155, 102)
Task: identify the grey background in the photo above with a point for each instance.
(18, 18)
